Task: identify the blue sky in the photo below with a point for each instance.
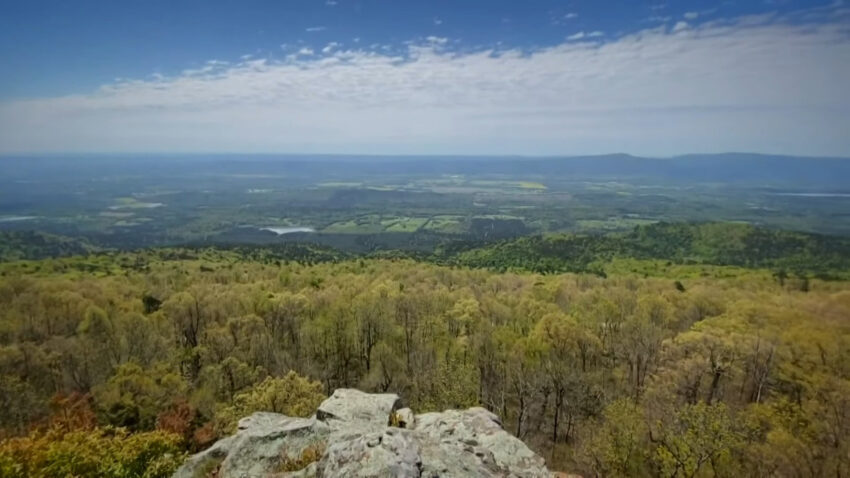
(517, 77)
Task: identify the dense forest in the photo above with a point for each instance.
(695, 354)
(730, 244)
(16, 245)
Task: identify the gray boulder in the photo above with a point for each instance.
(392, 452)
(263, 443)
(348, 407)
(356, 434)
(488, 449)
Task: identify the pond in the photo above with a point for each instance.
(287, 230)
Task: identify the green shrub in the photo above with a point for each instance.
(101, 452)
(291, 395)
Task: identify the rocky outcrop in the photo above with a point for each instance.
(356, 434)
(349, 408)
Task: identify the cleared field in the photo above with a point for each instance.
(355, 226)
(134, 222)
(115, 214)
(132, 203)
(508, 184)
(498, 216)
(371, 224)
(446, 224)
(459, 185)
(612, 223)
(406, 224)
(531, 185)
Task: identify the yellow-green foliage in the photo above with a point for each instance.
(291, 395)
(704, 371)
(133, 397)
(395, 420)
(615, 447)
(101, 452)
(696, 437)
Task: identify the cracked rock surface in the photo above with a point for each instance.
(357, 434)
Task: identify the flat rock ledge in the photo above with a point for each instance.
(357, 434)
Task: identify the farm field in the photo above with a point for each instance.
(421, 204)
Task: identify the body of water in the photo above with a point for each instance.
(287, 230)
(137, 205)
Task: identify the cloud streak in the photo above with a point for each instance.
(720, 86)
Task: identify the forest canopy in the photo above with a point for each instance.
(728, 244)
(683, 368)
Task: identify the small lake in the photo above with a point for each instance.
(137, 205)
(287, 230)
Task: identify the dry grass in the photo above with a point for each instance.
(311, 454)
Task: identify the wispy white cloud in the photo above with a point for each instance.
(745, 84)
(659, 18)
(679, 26)
(694, 15)
(560, 18)
(438, 21)
(437, 40)
(315, 29)
(582, 35)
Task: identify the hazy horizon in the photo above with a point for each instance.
(404, 156)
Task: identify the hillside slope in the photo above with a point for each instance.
(21, 245)
(725, 244)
